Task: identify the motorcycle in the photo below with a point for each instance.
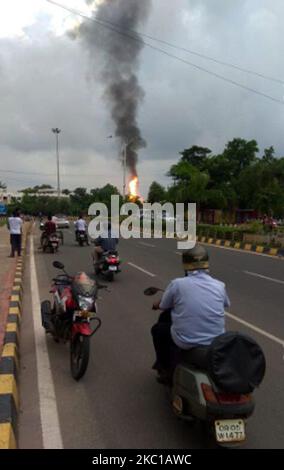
(108, 265)
(50, 242)
(220, 395)
(82, 237)
(74, 308)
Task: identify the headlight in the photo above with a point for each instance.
(85, 303)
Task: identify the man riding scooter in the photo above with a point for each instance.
(48, 230)
(193, 315)
(104, 244)
(81, 227)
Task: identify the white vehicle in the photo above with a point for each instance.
(61, 221)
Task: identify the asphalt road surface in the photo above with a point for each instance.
(118, 403)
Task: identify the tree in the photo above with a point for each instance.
(2, 185)
(240, 154)
(196, 156)
(157, 193)
(104, 194)
(79, 193)
(66, 192)
(190, 183)
(36, 189)
(268, 156)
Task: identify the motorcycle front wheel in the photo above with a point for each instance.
(79, 355)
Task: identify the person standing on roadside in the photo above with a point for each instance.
(15, 226)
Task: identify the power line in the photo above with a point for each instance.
(113, 27)
(190, 51)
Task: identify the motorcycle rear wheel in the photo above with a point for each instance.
(110, 276)
(79, 355)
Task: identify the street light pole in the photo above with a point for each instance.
(124, 160)
(124, 170)
(57, 131)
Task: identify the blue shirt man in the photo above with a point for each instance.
(197, 304)
(193, 312)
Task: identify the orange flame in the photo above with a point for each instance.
(133, 188)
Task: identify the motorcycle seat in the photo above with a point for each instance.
(196, 357)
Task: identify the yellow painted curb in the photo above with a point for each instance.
(259, 249)
(7, 437)
(237, 245)
(15, 311)
(247, 247)
(17, 288)
(218, 242)
(227, 243)
(11, 350)
(12, 328)
(210, 241)
(8, 386)
(273, 251)
(15, 298)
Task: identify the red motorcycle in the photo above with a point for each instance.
(108, 265)
(70, 318)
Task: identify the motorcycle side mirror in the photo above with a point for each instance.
(151, 291)
(58, 265)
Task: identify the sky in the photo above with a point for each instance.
(48, 80)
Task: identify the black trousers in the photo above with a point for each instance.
(166, 349)
(16, 244)
(168, 353)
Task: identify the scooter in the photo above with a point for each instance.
(221, 395)
(82, 237)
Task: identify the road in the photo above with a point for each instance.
(118, 404)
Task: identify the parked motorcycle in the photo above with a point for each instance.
(82, 237)
(108, 265)
(220, 395)
(74, 308)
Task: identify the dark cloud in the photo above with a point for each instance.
(46, 81)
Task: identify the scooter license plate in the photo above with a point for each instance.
(230, 430)
(54, 245)
(113, 268)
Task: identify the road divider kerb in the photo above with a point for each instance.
(9, 360)
(257, 249)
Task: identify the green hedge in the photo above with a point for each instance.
(220, 232)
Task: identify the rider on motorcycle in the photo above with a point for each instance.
(104, 244)
(193, 314)
(49, 229)
(81, 226)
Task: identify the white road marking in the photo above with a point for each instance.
(51, 433)
(264, 277)
(147, 244)
(142, 270)
(256, 329)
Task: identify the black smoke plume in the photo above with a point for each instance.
(116, 54)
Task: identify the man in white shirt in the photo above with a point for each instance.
(81, 226)
(15, 225)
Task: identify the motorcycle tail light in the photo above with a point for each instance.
(209, 393)
(112, 260)
(232, 399)
(223, 398)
